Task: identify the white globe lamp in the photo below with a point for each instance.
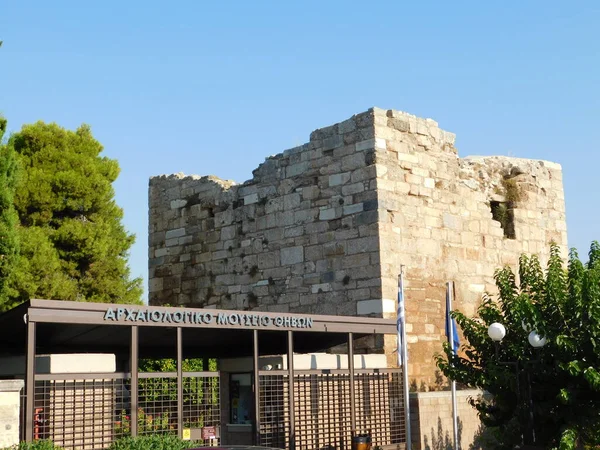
(496, 331)
(536, 340)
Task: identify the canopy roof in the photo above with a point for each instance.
(81, 327)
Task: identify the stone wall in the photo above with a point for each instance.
(324, 228)
(301, 236)
(431, 420)
(10, 408)
(436, 220)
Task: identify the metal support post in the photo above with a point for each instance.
(30, 380)
(133, 364)
(180, 382)
(256, 386)
(352, 387)
(292, 393)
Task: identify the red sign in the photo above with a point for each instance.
(209, 433)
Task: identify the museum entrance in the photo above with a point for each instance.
(95, 373)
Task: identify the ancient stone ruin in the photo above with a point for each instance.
(325, 227)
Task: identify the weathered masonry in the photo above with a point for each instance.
(324, 228)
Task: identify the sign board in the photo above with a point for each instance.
(187, 434)
(209, 433)
(205, 318)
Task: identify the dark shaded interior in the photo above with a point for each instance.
(155, 342)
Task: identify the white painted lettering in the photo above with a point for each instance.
(222, 319)
(130, 315)
(207, 318)
(109, 314)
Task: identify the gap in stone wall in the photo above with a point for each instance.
(504, 213)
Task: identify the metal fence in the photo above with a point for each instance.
(322, 406)
(90, 411)
(380, 406)
(274, 410)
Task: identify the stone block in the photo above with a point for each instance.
(292, 255)
(414, 179)
(353, 162)
(363, 173)
(172, 242)
(452, 221)
(251, 199)
(310, 192)
(367, 217)
(339, 178)
(329, 213)
(352, 209)
(365, 145)
(346, 126)
(429, 183)
(170, 234)
(353, 189)
(334, 249)
(159, 252)
(363, 245)
(318, 288)
(295, 170)
(313, 252)
(176, 204)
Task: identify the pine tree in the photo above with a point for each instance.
(9, 242)
(73, 244)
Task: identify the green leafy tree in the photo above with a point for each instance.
(550, 393)
(73, 244)
(9, 242)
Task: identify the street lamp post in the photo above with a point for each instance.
(497, 332)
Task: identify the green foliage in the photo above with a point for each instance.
(157, 390)
(147, 423)
(512, 191)
(564, 306)
(152, 442)
(35, 445)
(73, 245)
(9, 240)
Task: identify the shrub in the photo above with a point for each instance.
(35, 445)
(152, 442)
(553, 391)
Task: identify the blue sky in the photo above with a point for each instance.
(215, 87)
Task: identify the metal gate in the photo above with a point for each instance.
(91, 411)
(322, 408)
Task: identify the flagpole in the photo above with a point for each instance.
(403, 354)
(451, 334)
